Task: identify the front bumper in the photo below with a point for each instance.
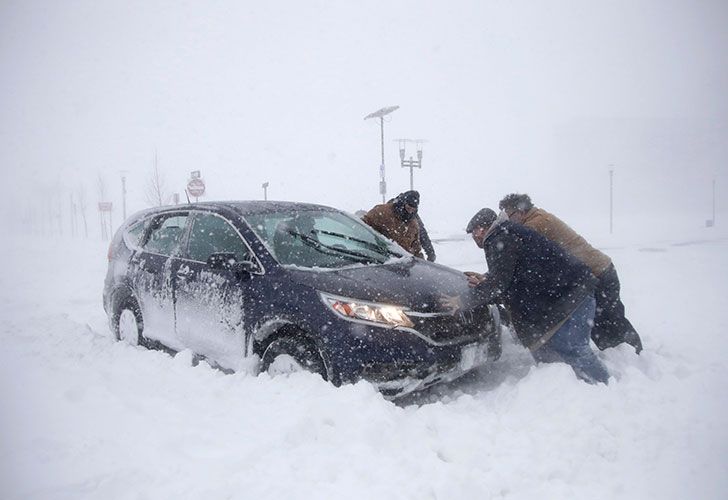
(472, 356)
(400, 361)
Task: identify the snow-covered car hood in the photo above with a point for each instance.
(413, 283)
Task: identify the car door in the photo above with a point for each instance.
(210, 305)
(151, 269)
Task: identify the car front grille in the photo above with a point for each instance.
(445, 328)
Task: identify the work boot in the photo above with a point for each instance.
(633, 339)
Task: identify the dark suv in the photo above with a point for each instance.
(302, 286)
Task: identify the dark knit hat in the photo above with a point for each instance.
(411, 198)
(484, 218)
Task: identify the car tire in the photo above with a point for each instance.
(129, 323)
(291, 354)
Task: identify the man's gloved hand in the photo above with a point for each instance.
(474, 278)
(453, 303)
(431, 257)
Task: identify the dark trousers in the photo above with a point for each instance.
(611, 327)
(570, 344)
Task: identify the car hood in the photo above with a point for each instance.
(413, 283)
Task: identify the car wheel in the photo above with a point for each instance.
(292, 354)
(129, 326)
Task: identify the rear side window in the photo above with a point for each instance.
(133, 235)
(212, 234)
(166, 234)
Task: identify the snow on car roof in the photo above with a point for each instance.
(244, 207)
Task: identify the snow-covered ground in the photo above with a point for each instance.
(86, 417)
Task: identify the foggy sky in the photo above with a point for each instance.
(537, 97)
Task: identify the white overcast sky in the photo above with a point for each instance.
(540, 97)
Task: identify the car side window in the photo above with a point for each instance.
(133, 235)
(166, 234)
(212, 234)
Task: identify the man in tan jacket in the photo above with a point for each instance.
(611, 327)
(397, 220)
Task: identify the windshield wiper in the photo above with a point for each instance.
(380, 250)
(322, 247)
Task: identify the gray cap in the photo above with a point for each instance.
(484, 218)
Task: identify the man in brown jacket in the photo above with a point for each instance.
(397, 221)
(611, 327)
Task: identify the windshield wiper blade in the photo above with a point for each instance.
(381, 250)
(322, 247)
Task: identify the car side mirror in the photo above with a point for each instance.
(246, 267)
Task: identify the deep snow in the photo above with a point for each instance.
(87, 417)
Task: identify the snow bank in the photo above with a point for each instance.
(87, 417)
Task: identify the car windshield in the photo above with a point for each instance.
(321, 238)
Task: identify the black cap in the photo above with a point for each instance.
(484, 218)
(411, 198)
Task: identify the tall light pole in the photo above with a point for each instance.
(713, 201)
(380, 114)
(411, 163)
(611, 192)
(265, 191)
(123, 194)
(711, 222)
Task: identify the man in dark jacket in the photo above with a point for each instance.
(548, 292)
(397, 220)
(611, 327)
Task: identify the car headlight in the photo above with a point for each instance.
(353, 309)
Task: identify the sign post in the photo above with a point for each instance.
(105, 207)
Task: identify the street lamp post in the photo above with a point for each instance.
(711, 222)
(123, 194)
(411, 163)
(380, 114)
(611, 203)
(265, 191)
(713, 201)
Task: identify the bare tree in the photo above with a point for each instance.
(81, 198)
(46, 191)
(156, 192)
(101, 189)
(58, 212)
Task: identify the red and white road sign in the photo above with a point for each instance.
(196, 187)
